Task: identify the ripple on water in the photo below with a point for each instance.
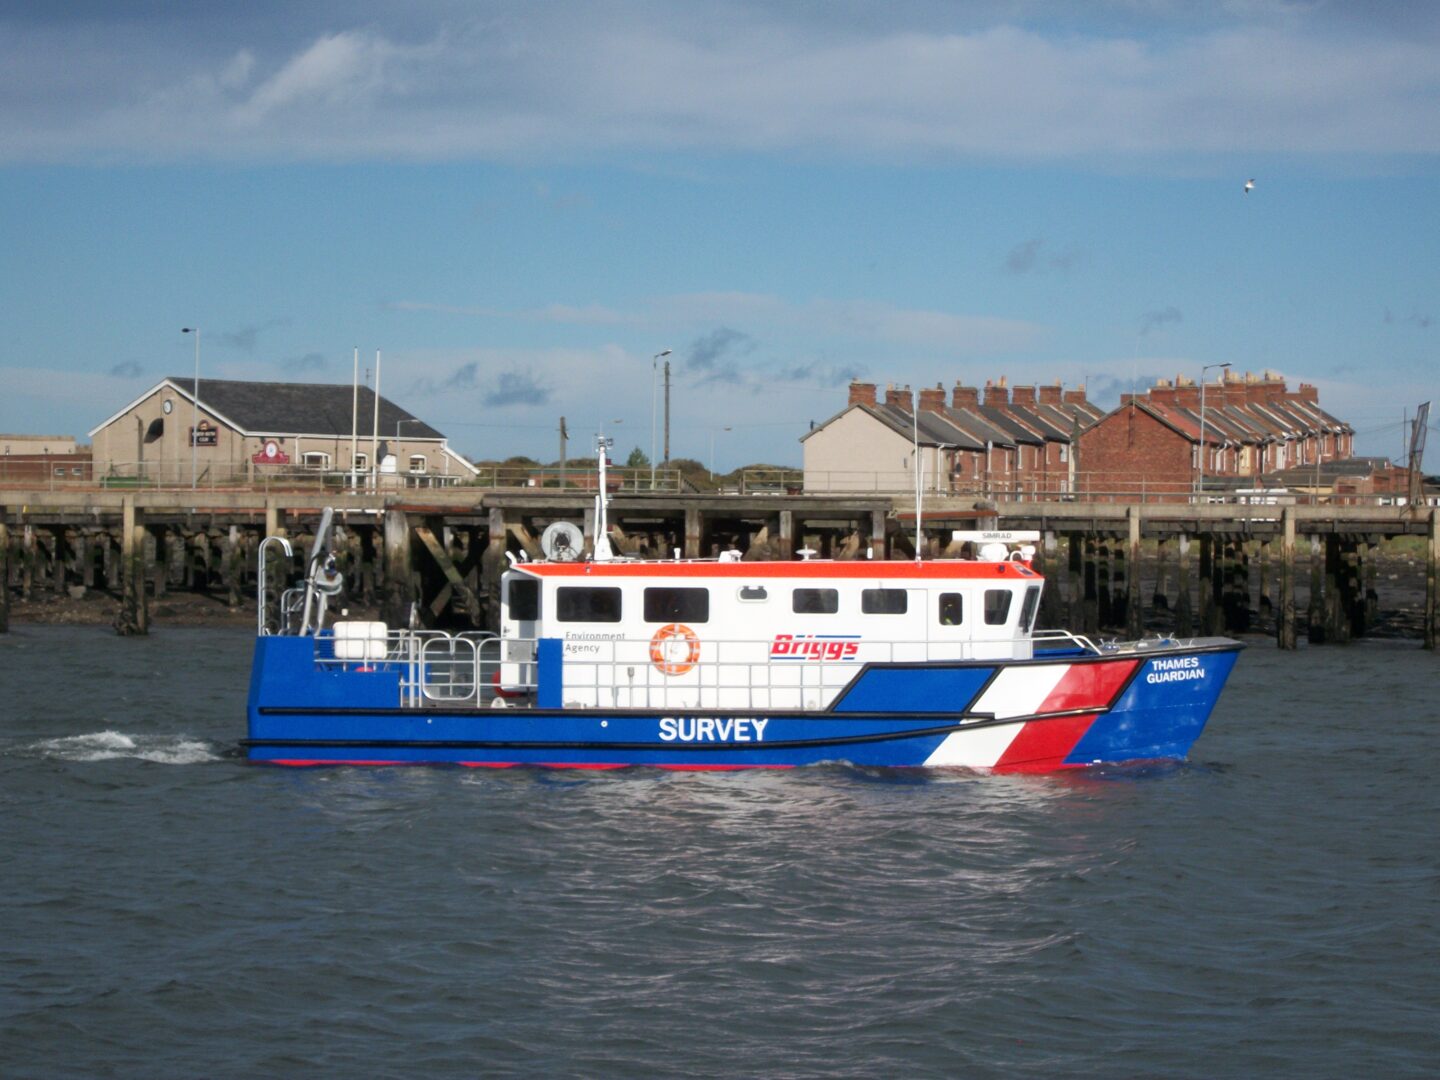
(1267, 909)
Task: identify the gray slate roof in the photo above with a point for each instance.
(274, 408)
(935, 429)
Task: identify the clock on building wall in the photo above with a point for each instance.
(168, 406)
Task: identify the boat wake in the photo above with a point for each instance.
(110, 745)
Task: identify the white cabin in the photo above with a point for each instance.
(761, 635)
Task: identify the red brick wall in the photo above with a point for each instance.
(1130, 453)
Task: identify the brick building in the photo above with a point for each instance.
(44, 460)
(1151, 446)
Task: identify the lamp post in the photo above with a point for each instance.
(654, 372)
(1200, 487)
(712, 449)
(194, 407)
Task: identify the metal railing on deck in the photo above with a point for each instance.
(473, 669)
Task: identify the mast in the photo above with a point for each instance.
(354, 416)
(919, 487)
(375, 432)
(603, 551)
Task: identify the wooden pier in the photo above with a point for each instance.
(437, 555)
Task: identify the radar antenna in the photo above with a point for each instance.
(562, 541)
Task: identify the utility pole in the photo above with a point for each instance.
(563, 435)
(667, 412)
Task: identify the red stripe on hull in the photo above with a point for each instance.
(1043, 745)
(1088, 686)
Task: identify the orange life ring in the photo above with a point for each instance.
(666, 647)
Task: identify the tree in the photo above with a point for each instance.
(638, 459)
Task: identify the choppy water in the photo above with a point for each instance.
(1271, 908)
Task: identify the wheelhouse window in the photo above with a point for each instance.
(997, 606)
(883, 601)
(952, 609)
(1028, 608)
(753, 593)
(815, 601)
(677, 605)
(575, 604)
(524, 599)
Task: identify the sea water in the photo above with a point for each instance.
(1271, 907)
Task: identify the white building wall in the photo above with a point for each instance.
(856, 452)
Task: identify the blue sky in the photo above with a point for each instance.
(519, 204)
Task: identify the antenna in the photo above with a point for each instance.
(919, 468)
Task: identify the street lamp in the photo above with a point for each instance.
(195, 406)
(712, 450)
(654, 371)
(1201, 485)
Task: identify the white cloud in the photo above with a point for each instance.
(337, 72)
(451, 83)
(769, 317)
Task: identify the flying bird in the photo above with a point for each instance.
(1249, 186)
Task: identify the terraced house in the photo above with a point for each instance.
(1001, 445)
(1180, 439)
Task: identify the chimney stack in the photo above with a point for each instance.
(1074, 397)
(932, 399)
(862, 393)
(1187, 394)
(997, 393)
(1162, 393)
(1274, 386)
(964, 397)
(1050, 395)
(899, 395)
(1023, 395)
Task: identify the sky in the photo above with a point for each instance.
(518, 205)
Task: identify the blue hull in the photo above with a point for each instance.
(1087, 710)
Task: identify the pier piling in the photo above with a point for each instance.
(133, 618)
(4, 571)
(1285, 622)
(1432, 585)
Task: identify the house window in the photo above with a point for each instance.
(315, 459)
(882, 601)
(677, 605)
(155, 430)
(417, 463)
(815, 601)
(587, 605)
(362, 462)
